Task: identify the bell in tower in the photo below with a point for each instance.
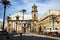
(34, 12)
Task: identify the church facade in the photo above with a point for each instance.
(20, 23)
(30, 23)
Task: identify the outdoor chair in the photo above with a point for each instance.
(44, 33)
(41, 33)
(58, 35)
(49, 33)
(54, 34)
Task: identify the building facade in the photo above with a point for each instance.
(50, 20)
(18, 24)
(1, 24)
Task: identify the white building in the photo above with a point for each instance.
(1, 24)
(22, 23)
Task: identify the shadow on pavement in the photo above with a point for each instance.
(29, 38)
(12, 37)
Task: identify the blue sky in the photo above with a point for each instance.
(43, 6)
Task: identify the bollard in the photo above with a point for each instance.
(7, 36)
(20, 36)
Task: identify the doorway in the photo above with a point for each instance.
(24, 30)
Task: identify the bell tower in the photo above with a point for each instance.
(34, 12)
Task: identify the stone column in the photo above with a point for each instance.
(22, 26)
(32, 26)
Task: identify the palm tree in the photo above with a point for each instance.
(53, 18)
(23, 13)
(5, 3)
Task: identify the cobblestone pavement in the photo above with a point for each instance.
(28, 36)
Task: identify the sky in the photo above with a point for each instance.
(42, 5)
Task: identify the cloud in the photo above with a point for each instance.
(42, 5)
(1, 20)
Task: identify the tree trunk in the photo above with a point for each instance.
(4, 18)
(23, 15)
(53, 24)
(4, 23)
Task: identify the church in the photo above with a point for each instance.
(23, 23)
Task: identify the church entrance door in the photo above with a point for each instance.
(24, 30)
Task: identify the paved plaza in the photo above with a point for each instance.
(29, 36)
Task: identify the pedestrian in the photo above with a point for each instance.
(20, 36)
